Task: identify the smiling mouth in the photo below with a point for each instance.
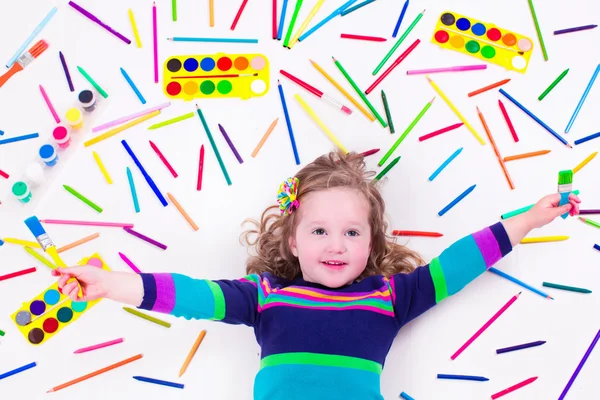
(334, 264)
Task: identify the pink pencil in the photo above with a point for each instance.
(440, 131)
(49, 104)
(86, 223)
(154, 34)
(129, 263)
(447, 69)
(163, 159)
(514, 387)
(508, 121)
(127, 118)
(200, 168)
(485, 326)
(239, 14)
(98, 346)
(362, 37)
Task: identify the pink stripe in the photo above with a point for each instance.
(488, 246)
(329, 293)
(328, 300)
(165, 293)
(249, 281)
(393, 290)
(366, 308)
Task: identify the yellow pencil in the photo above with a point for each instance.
(135, 30)
(311, 15)
(192, 353)
(584, 162)
(102, 168)
(182, 211)
(264, 138)
(544, 239)
(343, 91)
(121, 128)
(455, 110)
(211, 12)
(40, 257)
(77, 243)
(22, 242)
(318, 121)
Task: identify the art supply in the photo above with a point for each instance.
(405, 396)
(22, 242)
(580, 366)
(216, 76)
(316, 92)
(583, 212)
(211, 40)
(98, 346)
(174, 9)
(4, 174)
(157, 381)
(77, 243)
(120, 129)
(511, 128)
(360, 93)
(582, 100)
(96, 373)
(524, 209)
(39, 257)
(264, 138)
(589, 221)
(102, 168)
(447, 69)
(87, 99)
(387, 168)
(400, 18)
(155, 41)
(553, 84)
(362, 37)
(519, 282)
(14, 275)
(74, 118)
(133, 87)
(62, 136)
(325, 20)
(304, 24)
(587, 138)
(95, 19)
(288, 122)
(456, 200)
(398, 43)
(463, 377)
(288, 35)
(66, 71)
(526, 155)
(136, 204)
(440, 131)
(239, 14)
(496, 151)
(584, 163)
(282, 19)
(544, 239)
(32, 36)
(565, 187)
(163, 159)
(128, 118)
(489, 87)
(520, 347)
(183, 213)
(172, 121)
(388, 114)
(392, 66)
(129, 263)
(575, 29)
(274, 20)
(134, 28)
(320, 123)
(356, 7)
(145, 238)
(538, 30)
(34, 173)
(416, 233)
(597, 247)
(83, 198)
(21, 191)
(92, 82)
(147, 317)
(200, 169)
(86, 223)
(211, 13)
(568, 288)
(405, 133)
(49, 104)
(213, 145)
(24, 60)
(536, 119)
(17, 370)
(445, 164)
(513, 388)
(48, 155)
(192, 352)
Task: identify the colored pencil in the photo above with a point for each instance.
(582, 100)
(86, 223)
(19, 138)
(17, 370)
(172, 121)
(568, 288)
(580, 366)
(526, 155)
(147, 317)
(584, 163)
(544, 239)
(98, 346)
(213, 145)
(400, 18)
(388, 114)
(360, 93)
(406, 396)
(39, 257)
(316, 92)
(174, 9)
(288, 122)
(406, 132)
(133, 87)
(192, 352)
(511, 127)
(282, 19)
(14, 275)
(416, 233)
(102, 168)
(524, 209)
(519, 282)
(238, 14)
(463, 377)
(485, 326)
(489, 87)
(92, 82)
(305, 23)
(145, 238)
(496, 151)
(211, 40)
(149, 179)
(128, 118)
(134, 28)
(456, 200)
(49, 104)
(129, 263)
(320, 123)
(211, 13)
(536, 119)
(553, 84)
(597, 247)
(95, 19)
(513, 388)
(78, 243)
(32, 36)
(446, 69)
(587, 138)
(21, 242)
(83, 198)
(454, 109)
(274, 20)
(520, 347)
(537, 29)
(2, 333)
(264, 138)
(4, 174)
(583, 212)
(134, 197)
(387, 168)
(163, 159)
(362, 37)
(288, 35)
(445, 164)
(95, 373)
(392, 66)
(356, 7)
(575, 29)
(369, 152)
(325, 20)
(183, 213)
(120, 129)
(398, 43)
(200, 168)
(155, 41)
(440, 131)
(159, 382)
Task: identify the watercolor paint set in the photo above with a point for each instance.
(483, 40)
(216, 76)
(48, 313)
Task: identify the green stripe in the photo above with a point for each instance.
(304, 302)
(219, 300)
(327, 360)
(256, 279)
(439, 281)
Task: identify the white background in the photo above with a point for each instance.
(228, 359)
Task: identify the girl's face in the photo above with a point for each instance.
(333, 238)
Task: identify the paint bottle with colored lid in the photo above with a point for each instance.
(75, 118)
(21, 191)
(87, 98)
(62, 136)
(48, 155)
(34, 174)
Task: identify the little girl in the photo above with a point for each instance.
(328, 290)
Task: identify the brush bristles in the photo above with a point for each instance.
(565, 177)
(38, 48)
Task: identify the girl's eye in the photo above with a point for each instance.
(352, 233)
(319, 231)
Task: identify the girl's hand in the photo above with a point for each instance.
(547, 209)
(94, 282)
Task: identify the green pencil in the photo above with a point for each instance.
(537, 28)
(82, 198)
(92, 82)
(590, 222)
(40, 257)
(360, 93)
(398, 43)
(213, 145)
(147, 317)
(2, 333)
(174, 9)
(387, 168)
(521, 210)
(563, 287)
(388, 114)
(288, 35)
(171, 121)
(406, 132)
(560, 77)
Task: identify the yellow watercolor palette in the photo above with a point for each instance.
(483, 40)
(50, 311)
(216, 76)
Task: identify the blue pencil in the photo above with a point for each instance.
(325, 20)
(282, 19)
(463, 377)
(582, 100)
(585, 139)
(149, 180)
(445, 164)
(456, 200)
(356, 7)
(19, 138)
(400, 19)
(405, 396)
(536, 119)
(288, 122)
(212, 40)
(135, 89)
(597, 247)
(28, 41)
(16, 371)
(520, 347)
(159, 382)
(136, 204)
(519, 282)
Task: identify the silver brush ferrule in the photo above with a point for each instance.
(45, 241)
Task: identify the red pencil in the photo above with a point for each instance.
(361, 37)
(440, 131)
(316, 91)
(369, 152)
(239, 14)
(508, 121)
(489, 87)
(163, 159)
(394, 65)
(18, 273)
(514, 387)
(416, 233)
(274, 22)
(200, 168)
(3, 174)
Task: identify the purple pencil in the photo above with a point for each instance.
(146, 238)
(95, 19)
(575, 29)
(581, 363)
(520, 347)
(129, 263)
(230, 143)
(589, 211)
(66, 69)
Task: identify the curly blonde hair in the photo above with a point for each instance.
(271, 235)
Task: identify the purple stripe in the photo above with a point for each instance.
(286, 293)
(165, 293)
(488, 246)
(366, 308)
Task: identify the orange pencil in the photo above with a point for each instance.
(526, 155)
(264, 138)
(77, 243)
(500, 160)
(192, 353)
(489, 87)
(182, 211)
(416, 233)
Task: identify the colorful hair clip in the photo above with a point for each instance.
(286, 197)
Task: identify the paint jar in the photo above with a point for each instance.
(48, 155)
(87, 100)
(75, 118)
(61, 136)
(21, 191)
(34, 174)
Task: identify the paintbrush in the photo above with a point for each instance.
(565, 186)
(24, 60)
